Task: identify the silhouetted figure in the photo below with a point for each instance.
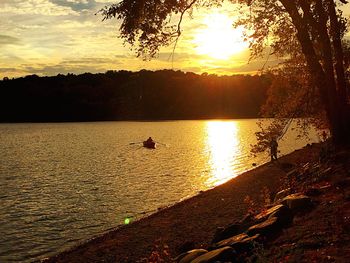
(149, 143)
(326, 151)
(273, 149)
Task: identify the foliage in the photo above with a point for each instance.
(269, 27)
(150, 24)
(266, 133)
(303, 32)
(312, 81)
(291, 95)
(310, 31)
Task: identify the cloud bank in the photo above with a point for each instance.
(48, 37)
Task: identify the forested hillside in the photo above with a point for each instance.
(125, 95)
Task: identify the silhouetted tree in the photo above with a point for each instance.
(125, 95)
(313, 28)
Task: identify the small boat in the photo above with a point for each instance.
(149, 144)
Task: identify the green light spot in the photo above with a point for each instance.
(127, 221)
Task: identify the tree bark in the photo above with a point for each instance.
(344, 112)
(323, 78)
(338, 52)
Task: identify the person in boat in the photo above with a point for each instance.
(149, 140)
(273, 149)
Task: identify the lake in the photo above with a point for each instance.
(62, 183)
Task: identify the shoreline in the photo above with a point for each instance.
(134, 120)
(188, 223)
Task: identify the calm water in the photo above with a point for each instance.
(63, 183)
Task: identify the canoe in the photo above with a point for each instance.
(150, 145)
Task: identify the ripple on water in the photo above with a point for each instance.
(62, 183)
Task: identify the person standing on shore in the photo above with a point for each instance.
(324, 136)
(273, 149)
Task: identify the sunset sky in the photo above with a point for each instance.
(47, 37)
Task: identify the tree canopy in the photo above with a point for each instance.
(308, 32)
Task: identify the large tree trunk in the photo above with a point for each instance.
(338, 52)
(332, 54)
(323, 76)
(344, 111)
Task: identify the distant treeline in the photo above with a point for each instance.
(125, 95)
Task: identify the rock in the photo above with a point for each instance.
(223, 233)
(225, 254)
(267, 228)
(231, 240)
(278, 210)
(240, 243)
(297, 202)
(190, 255)
(283, 213)
(284, 216)
(248, 219)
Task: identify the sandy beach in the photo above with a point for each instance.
(190, 223)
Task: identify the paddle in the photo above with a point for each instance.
(134, 143)
(161, 143)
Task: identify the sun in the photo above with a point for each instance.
(218, 39)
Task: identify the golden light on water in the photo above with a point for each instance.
(223, 146)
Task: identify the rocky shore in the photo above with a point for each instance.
(294, 210)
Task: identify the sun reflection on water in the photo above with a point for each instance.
(223, 147)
